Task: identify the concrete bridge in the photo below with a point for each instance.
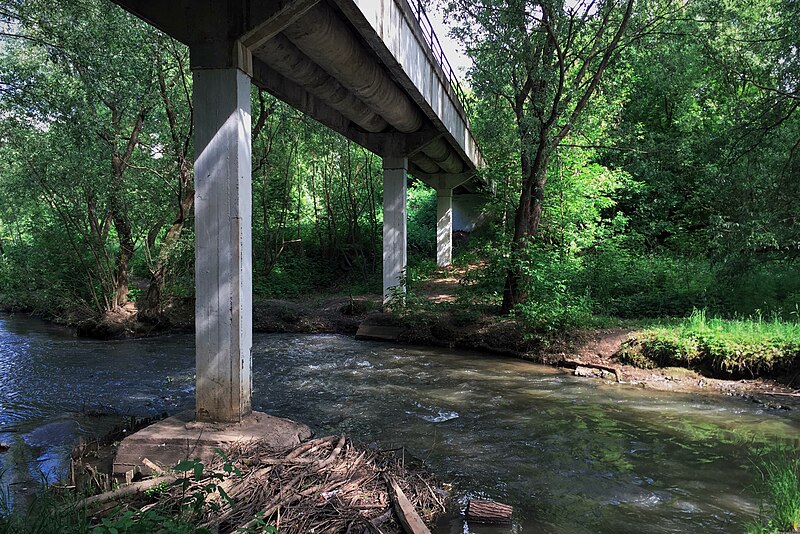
(371, 70)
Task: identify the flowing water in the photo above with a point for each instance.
(571, 454)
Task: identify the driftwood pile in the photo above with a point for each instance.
(327, 484)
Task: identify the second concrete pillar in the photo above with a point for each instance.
(444, 227)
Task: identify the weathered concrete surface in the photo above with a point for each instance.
(444, 227)
(394, 225)
(223, 249)
(180, 437)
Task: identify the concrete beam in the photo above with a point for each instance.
(394, 226)
(325, 38)
(223, 250)
(275, 24)
(286, 58)
(296, 96)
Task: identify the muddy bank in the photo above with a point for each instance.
(336, 315)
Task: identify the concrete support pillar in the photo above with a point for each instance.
(394, 225)
(223, 249)
(444, 227)
(444, 186)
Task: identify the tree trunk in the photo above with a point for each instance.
(156, 289)
(117, 207)
(526, 225)
(122, 225)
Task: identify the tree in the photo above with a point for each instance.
(174, 87)
(79, 87)
(544, 60)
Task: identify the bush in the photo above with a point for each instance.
(626, 283)
(421, 227)
(553, 302)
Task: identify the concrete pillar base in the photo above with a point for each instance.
(180, 437)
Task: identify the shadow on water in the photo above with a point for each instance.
(572, 455)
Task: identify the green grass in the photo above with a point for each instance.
(47, 513)
(742, 347)
(779, 487)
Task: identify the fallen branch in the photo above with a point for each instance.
(125, 491)
(308, 445)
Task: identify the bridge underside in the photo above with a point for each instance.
(360, 67)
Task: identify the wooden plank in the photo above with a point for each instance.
(409, 518)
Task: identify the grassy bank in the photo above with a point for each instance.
(744, 347)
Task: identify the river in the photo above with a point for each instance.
(570, 454)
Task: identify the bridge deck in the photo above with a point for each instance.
(371, 70)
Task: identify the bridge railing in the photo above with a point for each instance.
(438, 53)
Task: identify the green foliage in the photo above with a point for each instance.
(745, 347)
(552, 303)
(421, 226)
(625, 282)
(44, 515)
(259, 526)
(147, 522)
(779, 486)
(197, 487)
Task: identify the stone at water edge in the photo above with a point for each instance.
(4, 446)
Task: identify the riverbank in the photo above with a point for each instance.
(436, 319)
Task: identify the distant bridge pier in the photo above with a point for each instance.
(223, 248)
(395, 183)
(444, 186)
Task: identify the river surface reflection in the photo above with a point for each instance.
(571, 454)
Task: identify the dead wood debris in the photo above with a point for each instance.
(324, 485)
